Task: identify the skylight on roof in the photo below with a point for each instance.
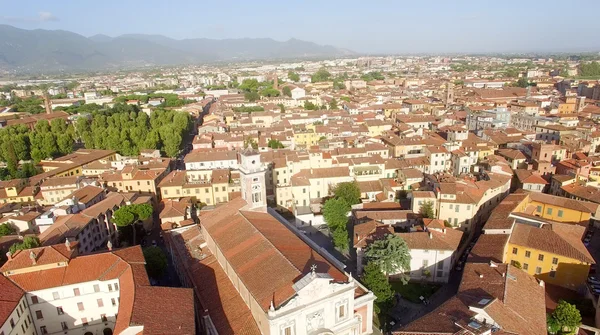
(484, 301)
(474, 324)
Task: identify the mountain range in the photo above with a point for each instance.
(59, 50)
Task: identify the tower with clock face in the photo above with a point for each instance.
(252, 178)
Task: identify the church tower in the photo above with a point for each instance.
(252, 178)
(449, 93)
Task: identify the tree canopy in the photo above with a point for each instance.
(374, 75)
(156, 262)
(7, 229)
(391, 254)
(378, 283)
(293, 76)
(321, 75)
(349, 191)
(565, 316)
(589, 69)
(335, 213)
(333, 104)
(286, 91)
(275, 144)
(427, 210)
(29, 242)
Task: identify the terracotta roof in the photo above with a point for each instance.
(511, 297)
(557, 239)
(10, 298)
(150, 300)
(577, 205)
(489, 247)
(263, 246)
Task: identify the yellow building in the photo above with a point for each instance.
(561, 209)
(217, 189)
(17, 191)
(553, 253)
(305, 137)
(567, 105)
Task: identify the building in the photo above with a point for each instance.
(491, 298)
(52, 289)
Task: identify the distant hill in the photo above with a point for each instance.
(57, 50)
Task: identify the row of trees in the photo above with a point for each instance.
(253, 89)
(170, 100)
(589, 69)
(126, 130)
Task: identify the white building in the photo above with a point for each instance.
(51, 290)
(203, 160)
(298, 93)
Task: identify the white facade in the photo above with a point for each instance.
(82, 307)
(298, 93)
(322, 307)
(211, 165)
(431, 265)
(20, 321)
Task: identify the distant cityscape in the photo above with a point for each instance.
(321, 193)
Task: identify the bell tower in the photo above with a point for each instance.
(252, 178)
(449, 93)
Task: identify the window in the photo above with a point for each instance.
(549, 211)
(103, 317)
(76, 291)
(451, 206)
(560, 213)
(64, 325)
(540, 257)
(527, 254)
(113, 301)
(110, 287)
(515, 251)
(96, 288)
(60, 311)
(39, 315)
(34, 299)
(116, 286)
(100, 303)
(554, 260)
(538, 270)
(539, 209)
(206, 190)
(80, 306)
(55, 295)
(12, 323)
(457, 208)
(525, 266)
(287, 330)
(43, 330)
(84, 321)
(552, 274)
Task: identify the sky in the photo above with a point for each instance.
(371, 27)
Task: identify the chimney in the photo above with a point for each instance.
(9, 255)
(430, 235)
(68, 244)
(542, 284)
(32, 256)
(481, 275)
(109, 245)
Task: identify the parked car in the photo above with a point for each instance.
(154, 243)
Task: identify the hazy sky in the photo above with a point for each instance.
(375, 26)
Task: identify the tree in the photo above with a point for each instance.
(335, 213)
(293, 76)
(517, 264)
(143, 211)
(378, 283)
(123, 218)
(270, 92)
(345, 98)
(7, 229)
(286, 91)
(281, 108)
(156, 262)
(566, 316)
(427, 210)
(349, 191)
(391, 254)
(275, 144)
(333, 104)
(310, 106)
(250, 142)
(251, 96)
(340, 238)
(321, 75)
(522, 82)
(29, 242)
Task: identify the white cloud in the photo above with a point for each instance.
(41, 17)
